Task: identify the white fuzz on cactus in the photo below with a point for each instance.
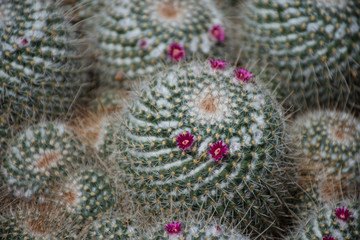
(39, 157)
(137, 37)
(204, 138)
(312, 47)
(336, 221)
(39, 63)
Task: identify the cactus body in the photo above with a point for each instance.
(312, 47)
(236, 130)
(38, 61)
(332, 221)
(40, 156)
(113, 228)
(138, 37)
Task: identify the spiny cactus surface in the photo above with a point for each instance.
(137, 37)
(332, 222)
(38, 61)
(113, 228)
(312, 47)
(206, 139)
(39, 157)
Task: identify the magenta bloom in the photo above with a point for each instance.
(217, 32)
(342, 213)
(328, 238)
(217, 64)
(173, 228)
(143, 44)
(22, 42)
(243, 74)
(218, 150)
(184, 141)
(176, 51)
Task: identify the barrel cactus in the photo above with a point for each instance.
(204, 138)
(329, 145)
(39, 63)
(137, 37)
(331, 222)
(313, 48)
(39, 157)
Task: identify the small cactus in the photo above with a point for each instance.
(137, 37)
(311, 49)
(39, 64)
(204, 138)
(40, 156)
(331, 222)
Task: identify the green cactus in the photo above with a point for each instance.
(39, 64)
(331, 222)
(137, 37)
(113, 228)
(39, 157)
(329, 145)
(90, 8)
(88, 194)
(218, 110)
(37, 221)
(311, 47)
(194, 229)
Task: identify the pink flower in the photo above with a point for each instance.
(218, 150)
(143, 44)
(328, 238)
(173, 228)
(217, 64)
(22, 42)
(217, 33)
(184, 141)
(243, 74)
(342, 213)
(176, 51)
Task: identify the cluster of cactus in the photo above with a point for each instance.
(203, 138)
(312, 47)
(39, 67)
(137, 37)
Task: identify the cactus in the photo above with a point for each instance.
(39, 157)
(313, 48)
(113, 228)
(329, 145)
(90, 8)
(137, 37)
(88, 194)
(192, 229)
(330, 222)
(39, 65)
(109, 101)
(204, 138)
(37, 221)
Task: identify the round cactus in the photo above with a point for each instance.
(88, 194)
(329, 145)
(313, 48)
(332, 222)
(113, 228)
(37, 221)
(137, 37)
(39, 63)
(204, 138)
(89, 8)
(39, 157)
(192, 229)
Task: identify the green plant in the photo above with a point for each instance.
(309, 49)
(204, 138)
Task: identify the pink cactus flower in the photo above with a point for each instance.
(328, 238)
(218, 150)
(22, 42)
(217, 33)
(176, 52)
(143, 44)
(184, 141)
(217, 64)
(173, 228)
(342, 213)
(243, 75)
